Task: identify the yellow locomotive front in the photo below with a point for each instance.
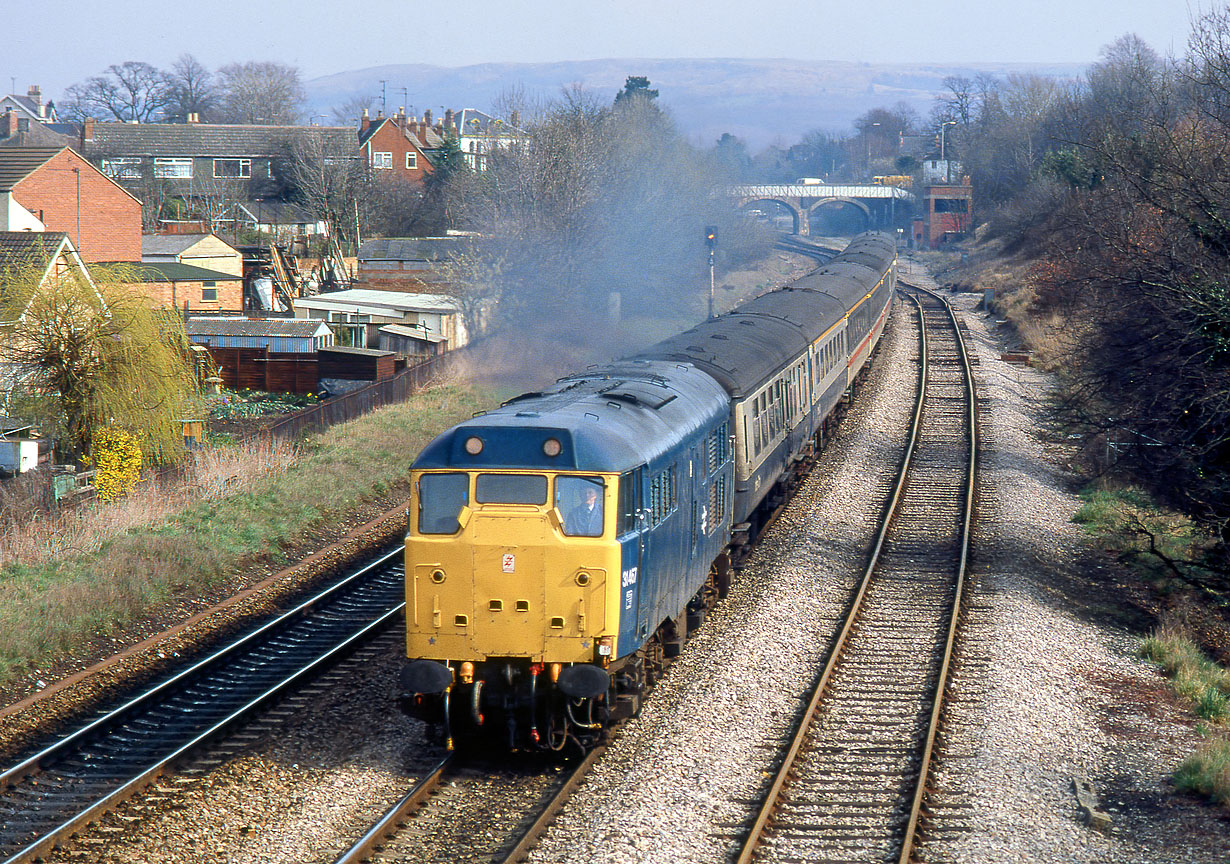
(512, 603)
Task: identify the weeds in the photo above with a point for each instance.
(1205, 685)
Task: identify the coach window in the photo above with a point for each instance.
(441, 497)
(580, 500)
(511, 489)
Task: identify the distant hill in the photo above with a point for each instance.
(761, 101)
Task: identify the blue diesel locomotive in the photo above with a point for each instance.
(562, 545)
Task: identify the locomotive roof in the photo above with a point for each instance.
(612, 418)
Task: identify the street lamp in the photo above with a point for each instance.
(867, 141)
(947, 173)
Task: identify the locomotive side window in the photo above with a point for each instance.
(441, 497)
(511, 489)
(627, 503)
(580, 499)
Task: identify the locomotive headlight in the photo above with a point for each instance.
(437, 576)
(552, 447)
(582, 578)
(467, 673)
(474, 445)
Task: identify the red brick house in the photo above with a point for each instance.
(66, 193)
(400, 147)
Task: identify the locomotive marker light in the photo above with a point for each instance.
(552, 447)
(474, 445)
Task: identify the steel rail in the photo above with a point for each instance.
(534, 833)
(133, 780)
(386, 826)
(971, 475)
(779, 780)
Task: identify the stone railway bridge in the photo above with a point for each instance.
(878, 206)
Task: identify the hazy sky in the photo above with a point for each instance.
(57, 42)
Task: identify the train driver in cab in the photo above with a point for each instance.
(585, 519)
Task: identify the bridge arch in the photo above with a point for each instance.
(774, 204)
(839, 214)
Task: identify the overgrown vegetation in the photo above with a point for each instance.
(1205, 686)
(88, 354)
(93, 574)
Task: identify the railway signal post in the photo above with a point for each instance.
(711, 242)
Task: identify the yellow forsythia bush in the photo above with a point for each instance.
(117, 463)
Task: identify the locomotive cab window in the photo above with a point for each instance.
(511, 489)
(580, 499)
(441, 497)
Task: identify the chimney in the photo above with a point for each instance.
(36, 96)
(400, 117)
(8, 126)
(365, 123)
(427, 116)
(448, 120)
(515, 120)
(87, 130)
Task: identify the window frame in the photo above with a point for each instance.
(164, 165)
(244, 165)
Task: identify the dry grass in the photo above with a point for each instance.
(38, 538)
(124, 561)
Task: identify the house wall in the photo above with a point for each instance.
(209, 253)
(173, 294)
(109, 218)
(14, 217)
(390, 138)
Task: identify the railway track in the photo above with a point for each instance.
(852, 784)
(56, 792)
(445, 817)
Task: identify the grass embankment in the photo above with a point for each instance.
(107, 566)
(1161, 545)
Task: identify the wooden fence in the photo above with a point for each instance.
(356, 403)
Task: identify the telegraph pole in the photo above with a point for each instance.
(711, 242)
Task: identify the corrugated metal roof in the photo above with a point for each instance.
(357, 352)
(401, 301)
(290, 327)
(18, 163)
(207, 139)
(412, 248)
(412, 333)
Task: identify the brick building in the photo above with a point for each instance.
(183, 286)
(401, 147)
(64, 192)
(947, 214)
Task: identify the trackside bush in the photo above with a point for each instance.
(117, 463)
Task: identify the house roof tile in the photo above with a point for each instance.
(207, 139)
(30, 246)
(18, 163)
(173, 271)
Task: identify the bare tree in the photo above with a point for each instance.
(329, 179)
(261, 93)
(131, 91)
(191, 90)
(350, 112)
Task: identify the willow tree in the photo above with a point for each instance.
(86, 355)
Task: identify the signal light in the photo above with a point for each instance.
(710, 236)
